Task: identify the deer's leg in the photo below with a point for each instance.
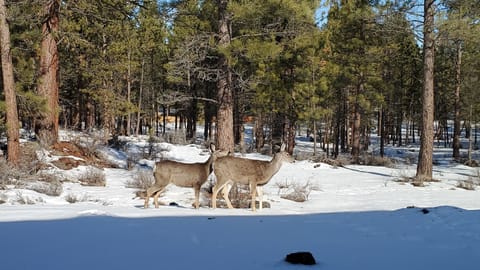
(155, 198)
(253, 191)
(215, 190)
(260, 196)
(197, 196)
(225, 192)
(150, 192)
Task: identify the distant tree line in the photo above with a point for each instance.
(123, 66)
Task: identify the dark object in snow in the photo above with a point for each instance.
(173, 204)
(425, 211)
(303, 257)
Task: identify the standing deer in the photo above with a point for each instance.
(180, 174)
(255, 173)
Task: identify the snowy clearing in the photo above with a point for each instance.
(356, 217)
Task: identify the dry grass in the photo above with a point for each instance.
(372, 160)
(295, 191)
(141, 181)
(467, 184)
(71, 198)
(471, 183)
(93, 177)
(52, 188)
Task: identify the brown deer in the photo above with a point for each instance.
(180, 174)
(255, 173)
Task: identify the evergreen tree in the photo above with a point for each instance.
(13, 138)
(270, 48)
(425, 156)
(46, 128)
(352, 26)
(458, 30)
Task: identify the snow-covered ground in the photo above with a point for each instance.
(356, 217)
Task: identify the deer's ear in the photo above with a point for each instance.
(282, 148)
(212, 147)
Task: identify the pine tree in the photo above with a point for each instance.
(13, 138)
(268, 54)
(225, 137)
(457, 31)
(352, 27)
(425, 156)
(46, 128)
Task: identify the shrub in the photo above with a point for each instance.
(372, 160)
(132, 159)
(10, 175)
(92, 177)
(471, 183)
(21, 199)
(53, 188)
(142, 180)
(29, 163)
(70, 198)
(3, 198)
(467, 184)
(296, 192)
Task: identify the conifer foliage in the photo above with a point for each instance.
(133, 67)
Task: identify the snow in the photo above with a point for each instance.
(356, 217)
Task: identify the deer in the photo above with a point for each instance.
(180, 174)
(256, 173)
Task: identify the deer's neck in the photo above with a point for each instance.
(272, 168)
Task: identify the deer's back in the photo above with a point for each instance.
(238, 169)
(181, 174)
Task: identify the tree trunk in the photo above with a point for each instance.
(259, 133)
(456, 122)
(47, 126)
(13, 143)
(140, 94)
(381, 132)
(425, 157)
(291, 132)
(356, 135)
(225, 136)
(129, 91)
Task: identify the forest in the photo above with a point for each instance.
(342, 70)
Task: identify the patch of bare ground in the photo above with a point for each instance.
(74, 155)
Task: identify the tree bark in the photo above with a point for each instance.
(259, 133)
(456, 121)
(47, 126)
(13, 143)
(225, 136)
(425, 157)
(129, 91)
(140, 94)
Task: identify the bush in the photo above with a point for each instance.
(132, 159)
(29, 163)
(21, 199)
(142, 180)
(6, 175)
(70, 198)
(92, 177)
(471, 183)
(50, 186)
(372, 160)
(3, 198)
(296, 192)
(467, 184)
(50, 189)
